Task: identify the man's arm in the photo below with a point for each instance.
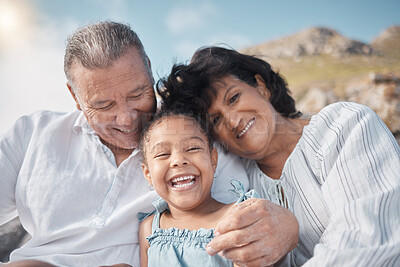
(13, 145)
(255, 232)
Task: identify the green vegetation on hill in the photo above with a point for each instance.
(329, 72)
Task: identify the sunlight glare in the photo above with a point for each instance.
(14, 17)
(8, 17)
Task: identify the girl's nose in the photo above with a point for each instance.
(179, 159)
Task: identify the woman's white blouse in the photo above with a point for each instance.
(342, 182)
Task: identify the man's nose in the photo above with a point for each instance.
(126, 115)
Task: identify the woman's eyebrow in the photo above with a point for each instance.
(228, 90)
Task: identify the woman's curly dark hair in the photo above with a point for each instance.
(191, 85)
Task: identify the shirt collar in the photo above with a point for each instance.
(81, 125)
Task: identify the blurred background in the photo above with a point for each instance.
(33, 35)
(328, 50)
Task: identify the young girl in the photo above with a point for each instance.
(179, 162)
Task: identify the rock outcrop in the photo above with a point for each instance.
(313, 41)
(380, 92)
(388, 41)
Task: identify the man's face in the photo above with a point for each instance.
(117, 101)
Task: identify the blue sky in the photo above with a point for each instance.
(33, 35)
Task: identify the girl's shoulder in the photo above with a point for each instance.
(145, 224)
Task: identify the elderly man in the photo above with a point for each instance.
(75, 181)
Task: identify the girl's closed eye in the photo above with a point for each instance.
(162, 155)
(194, 148)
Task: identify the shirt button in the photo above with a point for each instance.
(108, 154)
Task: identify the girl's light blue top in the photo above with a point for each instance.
(183, 247)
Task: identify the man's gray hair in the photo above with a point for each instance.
(97, 46)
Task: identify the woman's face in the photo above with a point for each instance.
(243, 117)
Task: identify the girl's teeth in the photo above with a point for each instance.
(182, 178)
(189, 180)
(183, 185)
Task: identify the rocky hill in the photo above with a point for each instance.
(388, 42)
(313, 41)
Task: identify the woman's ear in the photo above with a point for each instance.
(146, 173)
(214, 158)
(261, 87)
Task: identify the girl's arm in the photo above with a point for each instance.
(144, 231)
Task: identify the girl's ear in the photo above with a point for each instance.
(261, 87)
(214, 158)
(146, 173)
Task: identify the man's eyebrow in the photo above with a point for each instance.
(133, 91)
(136, 89)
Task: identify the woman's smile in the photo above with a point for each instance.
(246, 128)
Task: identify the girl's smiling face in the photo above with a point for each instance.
(179, 163)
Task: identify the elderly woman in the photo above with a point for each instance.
(337, 172)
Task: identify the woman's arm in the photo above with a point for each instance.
(361, 189)
(144, 231)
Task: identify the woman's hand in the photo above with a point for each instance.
(255, 232)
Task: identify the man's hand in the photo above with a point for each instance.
(255, 232)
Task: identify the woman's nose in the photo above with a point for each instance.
(231, 121)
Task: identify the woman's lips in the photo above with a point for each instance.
(246, 128)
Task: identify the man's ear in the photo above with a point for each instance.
(146, 173)
(261, 87)
(148, 61)
(214, 158)
(74, 96)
